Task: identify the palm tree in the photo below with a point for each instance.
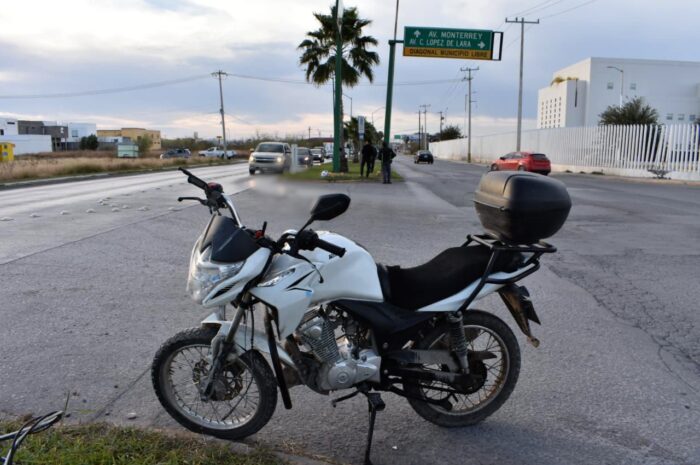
(319, 50)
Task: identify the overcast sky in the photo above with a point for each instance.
(49, 47)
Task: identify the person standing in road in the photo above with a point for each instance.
(386, 155)
(369, 153)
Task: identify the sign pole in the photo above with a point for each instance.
(390, 89)
(390, 79)
(337, 118)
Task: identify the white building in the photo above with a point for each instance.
(8, 127)
(77, 131)
(591, 85)
(25, 143)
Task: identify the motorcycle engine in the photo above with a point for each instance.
(341, 365)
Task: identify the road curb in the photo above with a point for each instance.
(90, 177)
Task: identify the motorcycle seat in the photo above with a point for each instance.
(451, 271)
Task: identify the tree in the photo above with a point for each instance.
(144, 144)
(634, 111)
(450, 132)
(350, 131)
(319, 50)
(89, 143)
(560, 79)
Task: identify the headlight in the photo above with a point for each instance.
(205, 275)
(279, 159)
(251, 159)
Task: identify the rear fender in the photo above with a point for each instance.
(242, 338)
(517, 299)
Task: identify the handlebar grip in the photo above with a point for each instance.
(192, 179)
(331, 248)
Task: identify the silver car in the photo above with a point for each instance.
(270, 156)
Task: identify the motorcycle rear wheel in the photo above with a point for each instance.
(248, 390)
(484, 331)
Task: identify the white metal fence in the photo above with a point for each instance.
(631, 150)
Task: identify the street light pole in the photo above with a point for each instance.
(380, 108)
(347, 96)
(622, 81)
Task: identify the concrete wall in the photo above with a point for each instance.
(28, 144)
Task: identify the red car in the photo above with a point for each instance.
(523, 161)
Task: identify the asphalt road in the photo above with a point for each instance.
(88, 297)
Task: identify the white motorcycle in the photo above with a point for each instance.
(333, 319)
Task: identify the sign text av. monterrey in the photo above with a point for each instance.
(437, 42)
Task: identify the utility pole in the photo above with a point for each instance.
(309, 132)
(425, 123)
(468, 77)
(442, 119)
(420, 139)
(522, 23)
(218, 75)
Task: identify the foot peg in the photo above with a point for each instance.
(335, 402)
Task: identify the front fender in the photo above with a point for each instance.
(242, 338)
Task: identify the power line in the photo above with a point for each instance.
(115, 90)
(570, 9)
(539, 7)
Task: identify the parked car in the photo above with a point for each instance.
(304, 156)
(523, 161)
(175, 153)
(270, 156)
(423, 156)
(318, 155)
(216, 152)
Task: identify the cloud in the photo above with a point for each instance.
(78, 45)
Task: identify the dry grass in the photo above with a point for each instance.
(39, 167)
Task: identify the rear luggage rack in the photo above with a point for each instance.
(496, 246)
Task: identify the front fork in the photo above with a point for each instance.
(221, 347)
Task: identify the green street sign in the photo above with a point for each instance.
(438, 42)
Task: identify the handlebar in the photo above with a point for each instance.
(309, 240)
(331, 248)
(192, 179)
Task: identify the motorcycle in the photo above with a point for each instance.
(333, 319)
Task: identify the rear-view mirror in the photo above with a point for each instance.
(329, 206)
(501, 158)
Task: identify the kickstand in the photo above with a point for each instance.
(376, 404)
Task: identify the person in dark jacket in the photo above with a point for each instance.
(386, 155)
(369, 154)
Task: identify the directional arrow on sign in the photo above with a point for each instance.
(481, 44)
(417, 34)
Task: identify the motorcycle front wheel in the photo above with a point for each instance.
(244, 397)
(484, 332)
